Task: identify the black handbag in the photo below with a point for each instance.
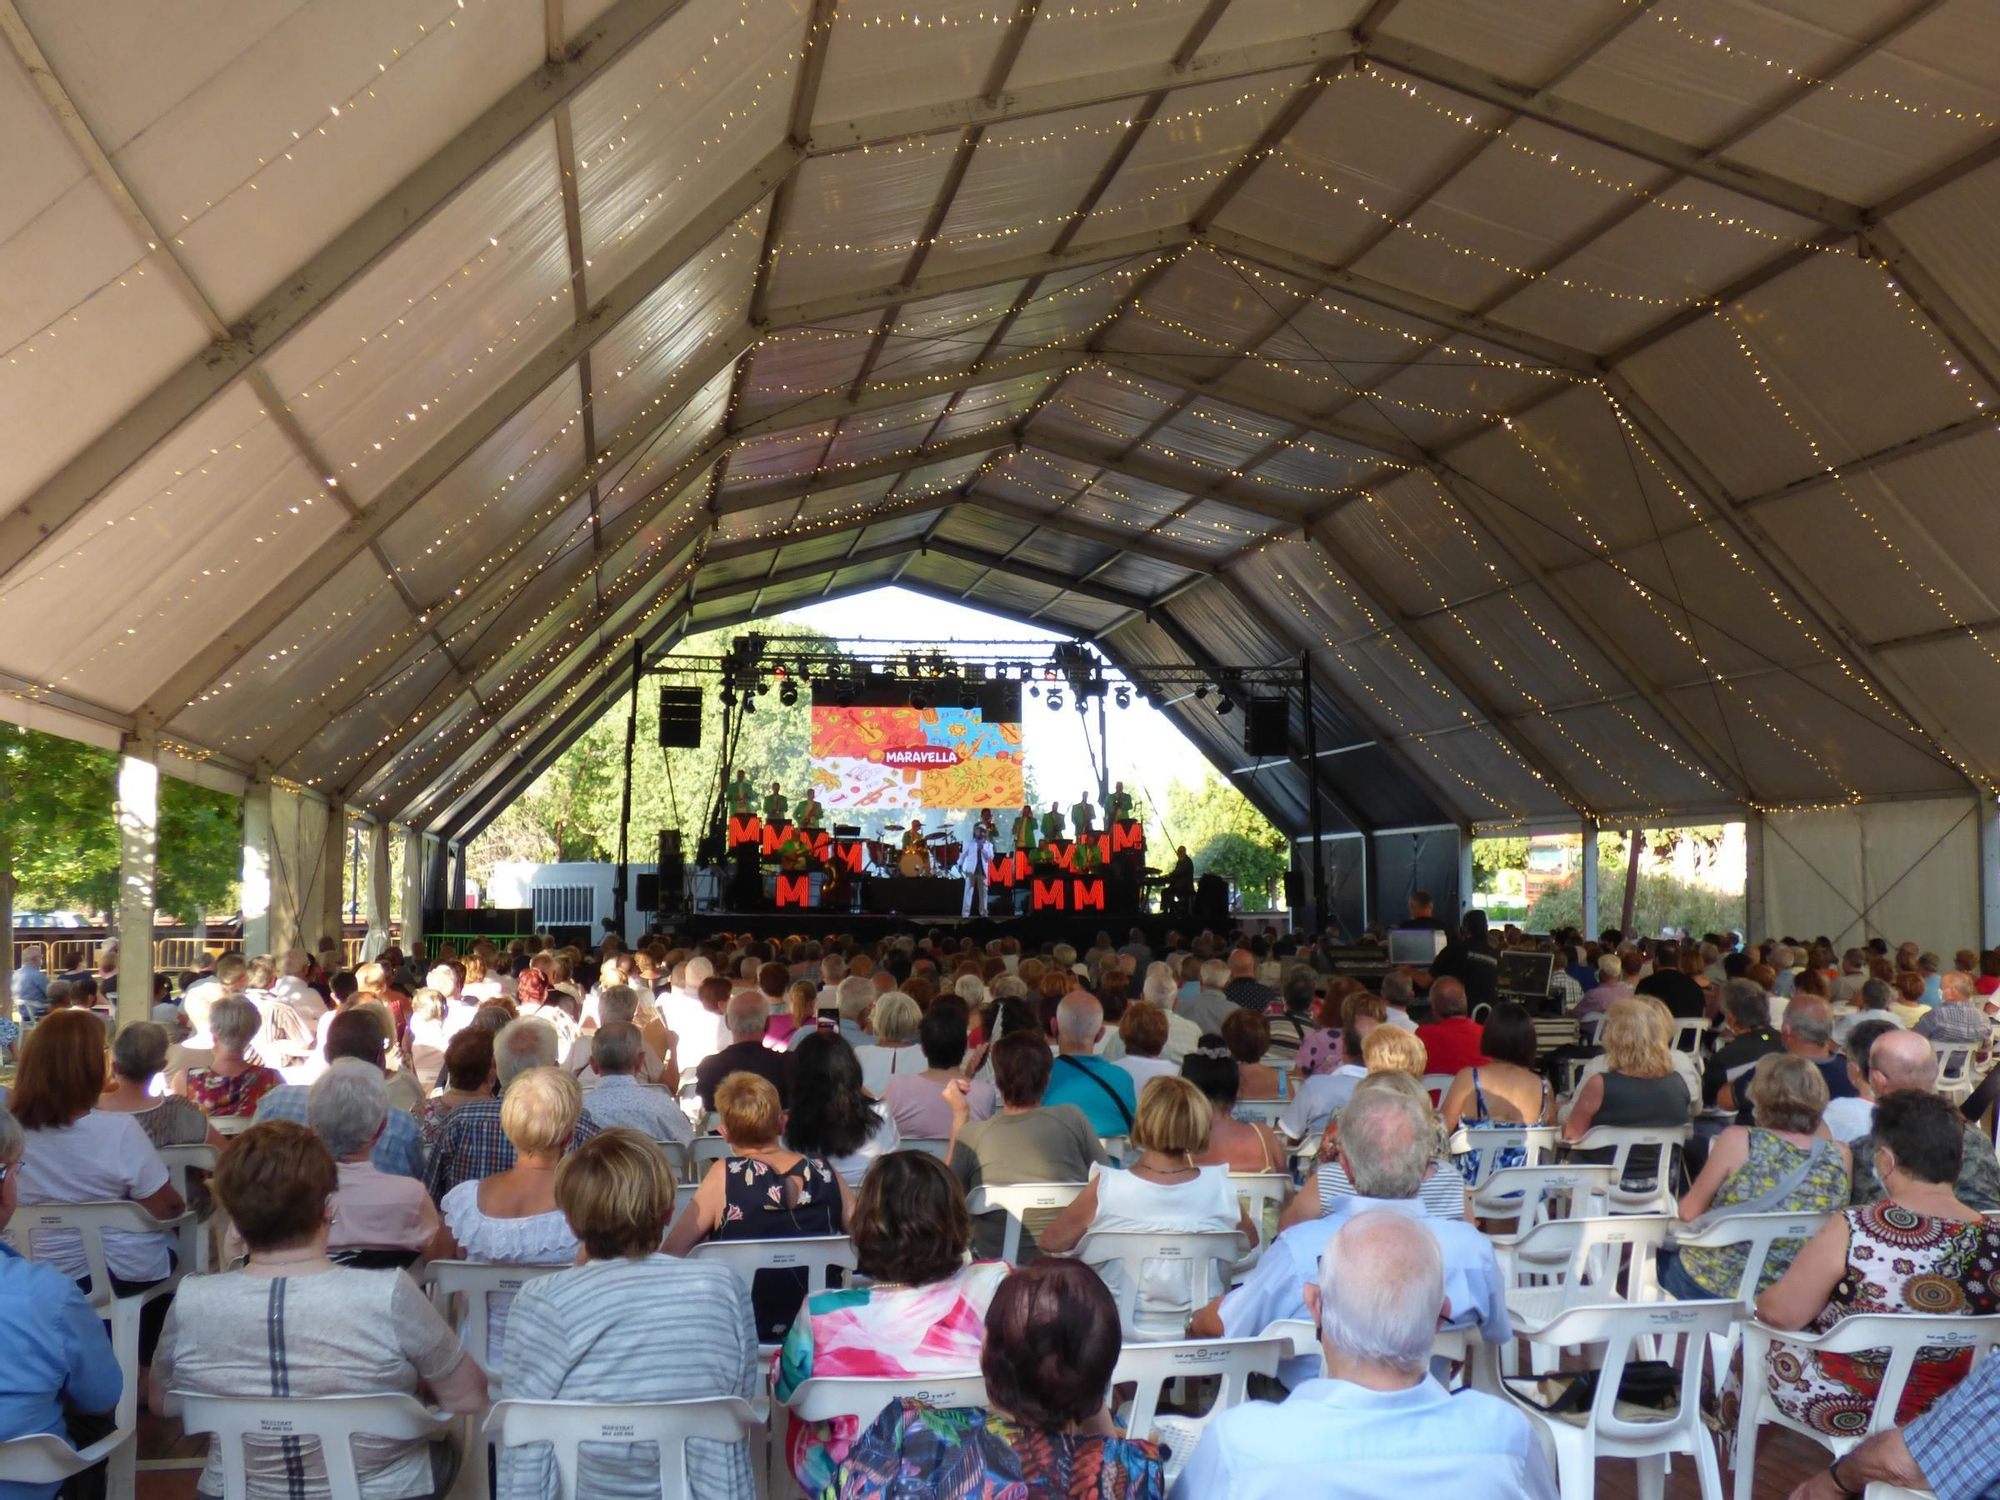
(1650, 1383)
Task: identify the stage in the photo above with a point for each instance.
(1031, 930)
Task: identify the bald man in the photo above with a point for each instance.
(1903, 1060)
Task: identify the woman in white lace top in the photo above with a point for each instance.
(512, 1216)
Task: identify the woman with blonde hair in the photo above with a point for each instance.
(1163, 1191)
(1639, 1087)
(1391, 1049)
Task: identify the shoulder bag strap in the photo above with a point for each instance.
(1123, 1113)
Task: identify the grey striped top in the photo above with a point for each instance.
(658, 1329)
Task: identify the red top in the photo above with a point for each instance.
(1452, 1044)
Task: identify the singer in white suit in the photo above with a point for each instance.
(975, 863)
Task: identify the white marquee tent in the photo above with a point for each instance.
(1598, 391)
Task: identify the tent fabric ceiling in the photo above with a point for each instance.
(1599, 396)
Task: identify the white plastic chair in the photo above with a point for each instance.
(1535, 1195)
(180, 1161)
(1151, 1366)
(473, 1282)
(1019, 1199)
(1578, 1263)
(1648, 1439)
(1437, 1085)
(1117, 1147)
(825, 1398)
(677, 1158)
(90, 1220)
(1589, 1028)
(230, 1124)
(1539, 1141)
(706, 1149)
(1260, 1111)
(44, 1458)
(1757, 1233)
(1690, 1033)
(333, 1422)
(567, 1425)
(1622, 1141)
(1901, 1334)
(814, 1254)
(1254, 1190)
(1208, 1257)
(1462, 1346)
(1955, 1076)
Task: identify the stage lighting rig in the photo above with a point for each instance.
(788, 692)
(1122, 696)
(1055, 698)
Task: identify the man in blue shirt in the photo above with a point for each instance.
(30, 985)
(1385, 1137)
(1102, 1090)
(52, 1346)
(356, 1033)
(1375, 1426)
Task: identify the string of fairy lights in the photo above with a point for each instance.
(621, 134)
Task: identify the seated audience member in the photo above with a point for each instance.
(1373, 1422)
(621, 1096)
(1102, 1090)
(1873, 1002)
(621, 1004)
(1851, 1118)
(1163, 1190)
(467, 1077)
(1609, 988)
(77, 1153)
(832, 1118)
(1677, 990)
(61, 1374)
(1239, 1145)
(230, 1083)
(1451, 1040)
(763, 1191)
(1143, 1030)
(348, 1109)
(1746, 1023)
(893, 1049)
(915, 1101)
(1320, 1097)
(1506, 1089)
(1916, 1250)
(1781, 1164)
(473, 1143)
(343, 1331)
(802, 1014)
(511, 1215)
(1051, 1344)
(1807, 1031)
(1948, 1451)
(1443, 1193)
(924, 1312)
(745, 1017)
(429, 1033)
(1159, 988)
(1029, 1140)
(627, 1323)
(1909, 1006)
(1386, 1146)
(137, 1058)
(1639, 1087)
(1905, 1063)
(1319, 1047)
(1960, 1015)
(1247, 1035)
(357, 1033)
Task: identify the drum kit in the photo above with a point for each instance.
(938, 854)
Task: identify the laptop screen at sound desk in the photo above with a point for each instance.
(1523, 973)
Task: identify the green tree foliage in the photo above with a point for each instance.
(59, 836)
(1663, 898)
(1226, 836)
(571, 811)
(1491, 856)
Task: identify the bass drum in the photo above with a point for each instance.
(915, 862)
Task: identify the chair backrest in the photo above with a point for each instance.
(705, 1149)
(1437, 1085)
(1587, 1256)
(814, 1254)
(230, 1124)
(1255, 1189)
(1117, 1147)
(1622, 1141)
(1534, 1195)
(1954, 1061)
(475, 1280)
(1689, 1032)
(1758, 1233)
(567, 1425)
(180, 1160)
(1589, 1028)
(822, 1398)
(1260, 1111)
(1234, 1361)
(89, 1221)
(333, 1422)
(1617, 1328)
(1019, 1199)
(44, 1458)
(1538, 1141)
(677, 1158)
(1208, 1256)
(1904, 1335)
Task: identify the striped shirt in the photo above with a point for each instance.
(657, 1329)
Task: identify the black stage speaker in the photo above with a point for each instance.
(1267, 727)
(680, 718)
(671, 889)
(1295, 890)
(1211, 903)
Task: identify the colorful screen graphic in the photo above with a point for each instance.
(887, 756)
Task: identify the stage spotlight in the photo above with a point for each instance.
(750, 704)
(919, 698)
(1035, 691)
(788, 692)
(968, 697)
(728, 696)
(1200, 691)
(1055, 698)
(1122, 696)
(1224, 707)
(843, 694)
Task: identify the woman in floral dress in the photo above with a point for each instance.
(231, 1084)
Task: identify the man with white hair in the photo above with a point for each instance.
(292, 989)
(746, 1018)
(1902, 1060)
(1375, 1423)
(1385, 1149)
(1208, 1007)
(1103, 1091)
(348, 1109)
(623, 1097)
(1961, 1017)
(1399, 992)
(1609, 989)
(1183, 1036)
(472, 1146)
(616, 1003)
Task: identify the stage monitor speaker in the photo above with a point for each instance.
(1267, 728)
(1211, 903)
(680, 718)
